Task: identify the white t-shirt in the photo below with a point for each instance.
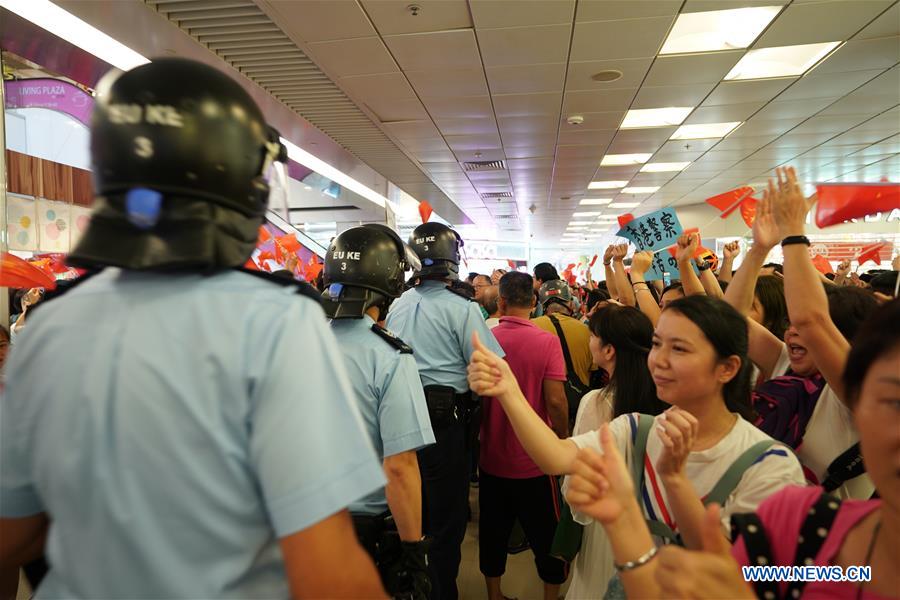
(775, 469)
(829, 433)
(593, 566)
(492, 322)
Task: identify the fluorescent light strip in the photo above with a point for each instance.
(701, 131)
(614, 160)
(784, 61)
(664, 167)
(592, 213)
(624, 204)
(640, 118)
(606, 185)
(718, 29)
(595, 201)
(639, 190)
(67, 26)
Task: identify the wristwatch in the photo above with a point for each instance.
(795, 239)
(703, 265)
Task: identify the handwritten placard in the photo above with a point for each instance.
(654, 232)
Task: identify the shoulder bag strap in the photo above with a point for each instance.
(732, 477)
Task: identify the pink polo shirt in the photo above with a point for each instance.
(533, 355)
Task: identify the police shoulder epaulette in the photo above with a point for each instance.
(460, 293)
(63, 287)
(302, 287)
(392, 339)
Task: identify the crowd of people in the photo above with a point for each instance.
(209, 431)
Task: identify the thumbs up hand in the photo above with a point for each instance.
(489, 375)
(709, 573)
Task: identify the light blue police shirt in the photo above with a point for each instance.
(438, 324)
(389, 395)
(174, 427)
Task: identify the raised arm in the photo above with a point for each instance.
(610, 275)
(807, 302)
(626, 293)
(711, 284)
(765, 348)
(640, 264)
(491, 377)
(729, 253)
(687, 247)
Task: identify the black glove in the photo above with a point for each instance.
(407, 577)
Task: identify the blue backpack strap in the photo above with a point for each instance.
(638, 454)
(732, 477)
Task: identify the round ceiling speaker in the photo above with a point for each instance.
(607, 75)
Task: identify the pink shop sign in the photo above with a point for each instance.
(51, 94)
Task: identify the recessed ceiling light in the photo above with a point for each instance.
(655, 117)
(576, 228)
(595, 201)
(704, 130)
(784, 61)
(664, 167)
(587, 214)
(640, 190)
(611, 160)
(576, 223)
(624, 204)
(607, 75)
(606, 185)
(718, 29)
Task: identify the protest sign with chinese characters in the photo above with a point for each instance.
(654, 232)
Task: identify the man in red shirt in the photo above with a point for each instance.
(511, 485)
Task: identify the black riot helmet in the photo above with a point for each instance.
(179, 154)
(437, 246)
(556, 290)
(364, 266)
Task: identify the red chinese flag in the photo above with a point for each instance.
(265, 255)
(839, 202)
(871, 252)
(511, 263)
(18, 273)
(822, 265)
(625, 219)
(570, 267)
(748, 210)
(593, 260)
(425, 210)
(729, 201)
(264, 235)
(289, 243)
(250, 265)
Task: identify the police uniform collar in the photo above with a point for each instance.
(303, 288)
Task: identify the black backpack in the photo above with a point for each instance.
(575, 390)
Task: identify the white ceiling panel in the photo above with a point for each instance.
(861, 105)
(632, 38)
(448, 82)
(532, 124)
(723, 113)
(610, 10)
(524, 45)
(393, 16)
(527, 79)
(671, 95)
(523, 164)
(514, 105)
(633, 71)
(530, 151)
(437, 50)
(595, 121)
(442, 155)
(358, 56)
(827, 85)
(886, 25)
(521, 140)
(392, 109)
(692, 68)
(412, 129)
(333, 20)
(735, 92)
(590, 150)
(385, 86)
(572, 136)
(707, 5)
(521, 13)
(466, 126)
(598, 101)
(459, 107)
(820, 22)
(792, 109)
(422, 145)
(694, 145)
(862, 55)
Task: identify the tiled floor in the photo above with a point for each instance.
(520, 581)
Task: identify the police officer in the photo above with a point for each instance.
(185, 429)
(364, 272)
(438, 322)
